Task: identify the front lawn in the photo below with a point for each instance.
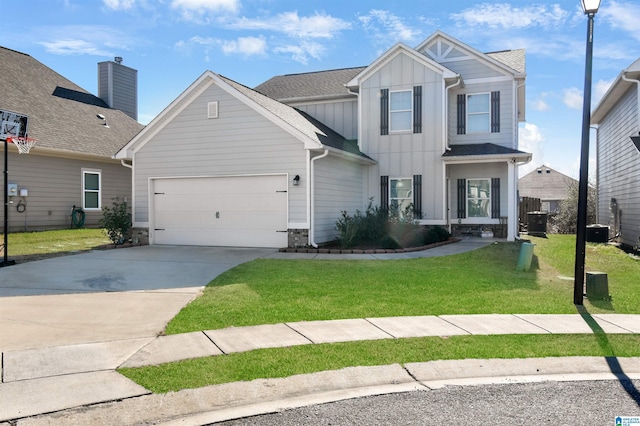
(28, 246)
(483, 281)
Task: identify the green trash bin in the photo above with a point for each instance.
(525, 257)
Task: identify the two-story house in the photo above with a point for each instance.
(433, 128)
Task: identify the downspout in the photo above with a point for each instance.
(445, 115)
(312, 236)
(128, 166)
(445, 136)
(637, 82)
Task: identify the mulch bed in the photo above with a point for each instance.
(366, 250)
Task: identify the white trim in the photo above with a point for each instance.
(84, 171)
(212, 109)
(487, 80)
(410, 111)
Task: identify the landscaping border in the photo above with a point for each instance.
(367, 251)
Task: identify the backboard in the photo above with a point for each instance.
(12, 124)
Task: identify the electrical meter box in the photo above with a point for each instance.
(13, 189)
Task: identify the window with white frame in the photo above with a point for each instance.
(478, 113)
(401, 111)
(91, 189)
(400, 194)
(479, 198)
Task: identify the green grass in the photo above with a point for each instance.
(54, 242)
(284, 362)
(484, 281)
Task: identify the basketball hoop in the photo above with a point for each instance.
(23, 143)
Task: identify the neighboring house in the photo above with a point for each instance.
(618, 156)
(71, 164)
(433, 128)
(549, 185)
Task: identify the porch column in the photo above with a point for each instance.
(512, 201)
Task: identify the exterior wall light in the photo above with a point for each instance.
(296, 180)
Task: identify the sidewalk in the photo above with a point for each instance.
(78, 384)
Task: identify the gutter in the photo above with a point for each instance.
(127, 165)
(313, 203)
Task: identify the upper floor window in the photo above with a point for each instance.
(401, 111)
(479, 113)
(91, 189)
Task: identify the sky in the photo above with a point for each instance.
(172, 42)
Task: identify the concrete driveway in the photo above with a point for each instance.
(107, 295)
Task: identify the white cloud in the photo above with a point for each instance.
(622, 15)
(119, 4)
(392, 26)
(504, 15)
(540, 104)
(530, 139)
(246, 46)
(573, 98)
(74, 47)
(303, 51)
(200, 10)
(599, 90)
(318, 25)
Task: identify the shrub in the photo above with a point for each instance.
(116, 221)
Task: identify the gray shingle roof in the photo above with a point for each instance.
(464, 150)
(546, 184)
(303, 122)
(514, 59)
(62, 115)
(311, 84)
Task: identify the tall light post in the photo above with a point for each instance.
(590, 8)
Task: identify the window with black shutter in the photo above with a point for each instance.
(462, 198)
(495, 198)
(384, 111)
(384, 192)
(495, 112)
(417, 196)
(417, 109)
(462, 114)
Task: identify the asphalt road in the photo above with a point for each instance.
(588, 403)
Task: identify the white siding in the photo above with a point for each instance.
(339, 185)
(402, 155)
(340, 116)
(619, 167)
(239, 142)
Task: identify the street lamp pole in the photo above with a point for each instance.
(590, 8)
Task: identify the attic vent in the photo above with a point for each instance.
(548, 171)
(212, 109)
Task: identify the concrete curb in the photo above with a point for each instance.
(237, 400)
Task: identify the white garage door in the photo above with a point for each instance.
(247, 211)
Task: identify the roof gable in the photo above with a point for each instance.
(399, 49)
(309, 131)
(443, 48)
(62, 115)
(545, 183)
(615, 92)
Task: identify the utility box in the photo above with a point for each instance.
(537, 224)
(597, 234)
(597, 286)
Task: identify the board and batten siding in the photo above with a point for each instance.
(239, 142)
(404, 154)
(341, 116)
(54, 186)
(339, 185)
(619, 167)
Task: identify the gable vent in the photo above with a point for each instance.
(212, 109)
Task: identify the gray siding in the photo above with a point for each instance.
(55, 186)
(339, 116)
(478, 171)
(619, 168)
(339, 185)
(507, 121)
(239, 142)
